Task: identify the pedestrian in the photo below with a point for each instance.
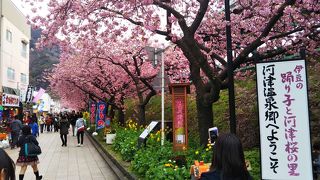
(23, 160)
(48, 121)
(7, 166)
(73, 119)
(55, 122)
(80, 127)
(64, 129)
(228, 160)
(15, 126)
(41, 122)
(34, 127)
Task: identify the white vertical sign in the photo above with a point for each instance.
(284, 120)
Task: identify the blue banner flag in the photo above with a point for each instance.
(101, 115)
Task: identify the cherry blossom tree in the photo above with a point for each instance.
(266, 28)
(123, 63)
(134, 62)
(76, 78)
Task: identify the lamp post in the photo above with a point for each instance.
(232, 114)
(162, 92)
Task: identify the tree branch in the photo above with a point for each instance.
(200, 14)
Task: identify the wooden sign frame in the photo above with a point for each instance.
(179, 93)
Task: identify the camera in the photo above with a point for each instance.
(213, 135)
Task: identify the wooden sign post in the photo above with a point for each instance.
(179, 110)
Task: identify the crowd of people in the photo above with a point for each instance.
(28, 129)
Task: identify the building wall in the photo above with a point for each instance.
(12, 55)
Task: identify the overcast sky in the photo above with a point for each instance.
(26, 9)
(20, 6)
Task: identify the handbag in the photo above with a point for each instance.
(31, 149)
(81, 129)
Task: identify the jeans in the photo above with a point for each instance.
(14, 137)
(63, 139)
(41, 128)
(73, 128)
(80, 136)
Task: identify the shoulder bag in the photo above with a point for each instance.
(31, 149)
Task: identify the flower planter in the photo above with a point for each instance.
(110, 138)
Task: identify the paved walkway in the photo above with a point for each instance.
(67, 163)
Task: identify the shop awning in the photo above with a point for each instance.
(9, 90)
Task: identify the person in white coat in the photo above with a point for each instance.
(80, 127)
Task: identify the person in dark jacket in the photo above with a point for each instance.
(15, 126)
(73, 119)
(228, 160)
(23, 160)
(64, 129)
(7, 166)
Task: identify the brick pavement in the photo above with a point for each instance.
(67, 163)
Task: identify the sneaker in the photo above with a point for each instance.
(78, 145)
(81, 145)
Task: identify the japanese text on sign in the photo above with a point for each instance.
(284, 120)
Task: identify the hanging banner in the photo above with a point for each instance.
(92, 112)
(38, 95)
(284, 120)
(101, 115)
(29, 93)
(10, 100)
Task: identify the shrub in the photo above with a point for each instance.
(126, 140)
(160, 162)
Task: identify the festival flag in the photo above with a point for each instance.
(101, 115)
(38, 96)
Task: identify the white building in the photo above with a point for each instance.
(15, 35)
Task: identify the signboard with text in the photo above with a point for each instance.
(101, 115)
(284, 120)
(10, 100)
(179, 112)
(147, 131)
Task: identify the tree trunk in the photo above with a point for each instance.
(111, 112)
(205, 119)
(121, 116)
(207, 92)
(141, 115)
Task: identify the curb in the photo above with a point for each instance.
(120, 171)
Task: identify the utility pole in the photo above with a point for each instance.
(232, 113)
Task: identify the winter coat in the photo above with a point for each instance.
(34, 129)
(64, 126)
(24, 139)
(16, 125)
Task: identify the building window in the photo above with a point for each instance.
(9, 36)
(23, 78)
(10, 73)
(24, 48)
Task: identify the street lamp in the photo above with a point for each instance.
(162, 92)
